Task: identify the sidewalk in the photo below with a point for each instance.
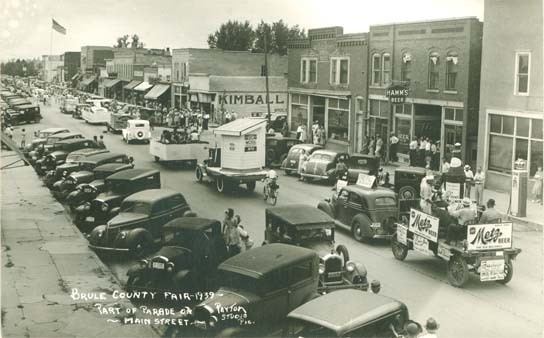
(533, 221)
(44, 256)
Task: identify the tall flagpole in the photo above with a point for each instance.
(51, 39)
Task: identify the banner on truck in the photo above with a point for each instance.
(489, 236)
(424, 225)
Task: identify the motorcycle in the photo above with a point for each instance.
(270, 191)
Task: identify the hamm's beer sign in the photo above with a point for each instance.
(489, 236)
(424, 225)
(396, 93)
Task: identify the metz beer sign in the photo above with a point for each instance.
(396, 93)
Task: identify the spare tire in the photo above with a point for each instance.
(342, 250)
(140, 134)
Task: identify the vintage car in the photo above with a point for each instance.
(277, 148)
(98, 112)
(118, 122)
(40, 137)
(60, 151)
(138, 225)
(190, 153)
(322, 165)
(86, 192)
(76, 156)
(367, 213)
(73, 180)
(362, 164)
(24, 113)
(117, 187)
(49, 145)
(408, 181)
(290, 164)
(80, 107)
(259, 287)
(309, 227)
(68, 105)
(191, 250)
(348, 313)
(89, 163)
(136, 131)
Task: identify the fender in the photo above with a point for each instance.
(326, 207)
(364, 221)
(134, 234)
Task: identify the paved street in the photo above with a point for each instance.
(490, 309)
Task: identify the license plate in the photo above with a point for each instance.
(158, 265)
(335, 274)
(491, 269)
(89, 219)
(87, 190)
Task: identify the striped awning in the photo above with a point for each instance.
(157, 91)
(142, 87)
(111, 82)
(132, 84)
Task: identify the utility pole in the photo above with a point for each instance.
(266, 74)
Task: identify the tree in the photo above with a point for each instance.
(260, 32)
(233, 35)
(278, 34)
(122, 41)
(135, 43)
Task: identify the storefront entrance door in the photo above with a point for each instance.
(318, 111)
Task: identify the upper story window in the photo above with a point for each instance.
(339, 70)
(451, 71)
(433, 71)
(523, 66)
(406, 67)
(308, 70)
(376, 69)
(386, 68)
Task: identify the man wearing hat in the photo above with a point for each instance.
(464, 216)
(426, 193)
(469, 179)
(431, 327)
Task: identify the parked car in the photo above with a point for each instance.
(76, 156)
(40, 137)
(191, 250)
(86, 192)
(117, 187)
(138, 225)
(73, 180)
(23, 113)
(118, 122)
(91, 162)
(322, 165)
(349, 313)
(59, 152)
(362, 164)
(51, 140)
(408, 181)
(137, 130)
(277, 148)
(68, 105)
(367, 213)
(309, 227)
(260, 286)
(290, 164)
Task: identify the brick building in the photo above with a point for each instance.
(94, 56)
(511, 94)
(72, 63)
(439, 63)
(328, 83)
(217, 81)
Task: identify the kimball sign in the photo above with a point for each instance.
(250, 99)
(397, 93)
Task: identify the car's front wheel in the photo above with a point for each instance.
(358, 227)
(140, 246)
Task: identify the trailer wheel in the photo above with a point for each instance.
(220, 184)
(199, 175)
(400, 251)
(458, 273)
(508, 272)
(250, 186)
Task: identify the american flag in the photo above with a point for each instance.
(56, 26)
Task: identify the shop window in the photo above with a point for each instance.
(536, 157)
(508, 125)
(451, 71)
(495, 123)
(522, 146)
(433, 71)
(453, 114)
(522, 127)
(339, 73)
(523, 62)
(536, 130)
(402, 131)
(376, 69)
(386, 70)
(406, 67)
(299, 111)
(338, 119)
(500, 153)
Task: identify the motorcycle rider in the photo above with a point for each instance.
(271, 180)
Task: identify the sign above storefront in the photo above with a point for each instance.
(397, 93)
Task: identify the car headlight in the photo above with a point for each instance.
(104, 207)
(143, 263)
(64, 173)
(321, 269)
(100, 233)
(123, 235)
(350, 266)
(170, 267)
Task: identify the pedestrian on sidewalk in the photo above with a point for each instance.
(23, 138)
(469, 179)
(394, 140)
(413, 152)
(537, 187)
(101, 144)
(479, 183)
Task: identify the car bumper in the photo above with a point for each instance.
(322, 177)
(107, 249)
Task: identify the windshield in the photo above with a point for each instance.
(137, 207)
(87, 166)
(237, 281)
(119, 186)
(183, 238)
(358, 162)
(299, 328)
(305, 235)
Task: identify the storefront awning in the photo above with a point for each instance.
(111, 82)
(88, 81)
(157, 91)
(142, 87)
(132, 84)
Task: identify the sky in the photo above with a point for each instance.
(25, 25)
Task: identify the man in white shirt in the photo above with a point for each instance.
(413, 151)
(469, 178)
(394, 141)
(426, 193)
(479, 180)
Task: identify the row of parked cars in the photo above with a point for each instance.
(123, 211)
(18, 108)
